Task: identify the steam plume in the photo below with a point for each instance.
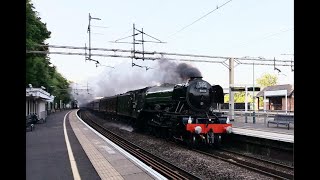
(124, 78)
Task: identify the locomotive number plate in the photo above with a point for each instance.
(202, 90)
(201, 85)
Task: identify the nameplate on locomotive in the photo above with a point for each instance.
(202, 90)
(201, 85)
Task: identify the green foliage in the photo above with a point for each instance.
(267, 80)
(261, 102)
(226, 98)
(36, 31)
(39, 71)
(263, 81)
(238, 97)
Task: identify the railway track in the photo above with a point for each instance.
(265, 167)
(287, 167)
(278, 171)
(163, 167)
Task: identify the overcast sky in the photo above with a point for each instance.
(240, 28)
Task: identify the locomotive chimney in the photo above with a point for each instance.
(193, 78)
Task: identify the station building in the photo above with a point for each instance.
(278, 97)
(38, 101)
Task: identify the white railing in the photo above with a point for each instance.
(269, 112)
(261, 117)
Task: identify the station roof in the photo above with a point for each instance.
(288, 87)
(38, 93)
(240, 88)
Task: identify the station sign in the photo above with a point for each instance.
(244, 89)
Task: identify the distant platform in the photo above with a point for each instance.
(264, 134)
(260, 130)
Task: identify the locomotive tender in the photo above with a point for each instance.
(180, 111)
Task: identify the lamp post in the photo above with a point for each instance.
(54, 103)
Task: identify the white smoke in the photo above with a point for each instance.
(81, 94)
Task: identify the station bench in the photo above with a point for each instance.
(33, 119)
(29, 122)
(282, 120)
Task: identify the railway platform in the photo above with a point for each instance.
(261, 130)
(66, 148)
(47, 153)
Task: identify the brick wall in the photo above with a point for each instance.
(290, 104)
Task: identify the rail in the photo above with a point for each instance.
(290, 168)
(256, 167)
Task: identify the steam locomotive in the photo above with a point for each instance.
(183, 112)
(74, 104)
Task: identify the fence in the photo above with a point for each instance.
(261, 117)
(236, 106)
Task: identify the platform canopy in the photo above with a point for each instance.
(38, 93)
(276, 89)
(243, 88)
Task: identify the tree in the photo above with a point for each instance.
(267, 80)
(264, 81)
(239, 97)
(37, 65)
(39, 70)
